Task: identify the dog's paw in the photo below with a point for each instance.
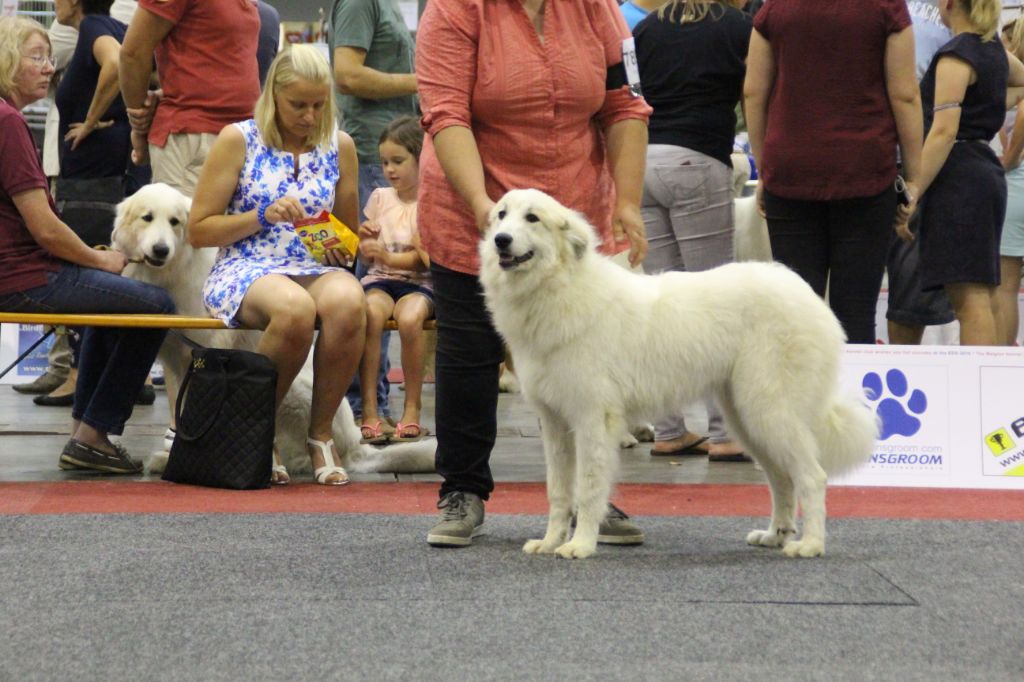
(627, 441)
(804, 548)
(643, 433)
(769, 538)
(539, 547)
(576, 550)
(157, 462)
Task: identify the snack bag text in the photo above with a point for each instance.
(326, 232)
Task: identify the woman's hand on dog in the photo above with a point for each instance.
(628, 224)
(111, 261)
(482, 212)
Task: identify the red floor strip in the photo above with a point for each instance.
(659, 499)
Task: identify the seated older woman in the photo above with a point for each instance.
(46, 268)
(262, 175)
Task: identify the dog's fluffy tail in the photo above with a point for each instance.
(399, 458)
(848, 435)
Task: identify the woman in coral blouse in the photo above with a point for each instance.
(514, 95)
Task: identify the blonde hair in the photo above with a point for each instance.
(689, 11)
(984, 16)
(1014, 32)
(14, 33)
(298, 61)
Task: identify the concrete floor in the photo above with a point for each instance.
(31, 438)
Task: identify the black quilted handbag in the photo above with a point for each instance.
(225, 417)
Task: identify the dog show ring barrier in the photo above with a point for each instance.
(127, 321)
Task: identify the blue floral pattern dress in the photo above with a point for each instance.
(269, 174)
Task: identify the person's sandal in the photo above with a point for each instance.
(373, 434)
(321, 474)
(407, 433)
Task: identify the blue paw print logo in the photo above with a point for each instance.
(897, 413)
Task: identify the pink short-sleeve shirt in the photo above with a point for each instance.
(538, 110)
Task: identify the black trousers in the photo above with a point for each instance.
(469, 352)
(841, 243)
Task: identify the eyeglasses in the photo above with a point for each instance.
(40, 60)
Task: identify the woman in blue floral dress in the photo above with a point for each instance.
(262, 175)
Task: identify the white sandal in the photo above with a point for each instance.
(282, 477)
(322, 473)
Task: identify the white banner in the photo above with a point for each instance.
(8, 8)
(952, 416)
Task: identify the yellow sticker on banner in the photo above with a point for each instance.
(326, 232)
(999, 441)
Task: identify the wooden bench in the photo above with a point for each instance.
(125, 321)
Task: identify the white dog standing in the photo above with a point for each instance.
(598, 348)
(150, 230)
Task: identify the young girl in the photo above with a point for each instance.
(964, 94)
(397, 284)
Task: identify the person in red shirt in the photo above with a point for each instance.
(514, 95)
(830, 91)
(46, 268)
(206, 59)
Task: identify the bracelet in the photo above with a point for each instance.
(261, 215)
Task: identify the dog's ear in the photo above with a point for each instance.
(125, 214)
(578, 234)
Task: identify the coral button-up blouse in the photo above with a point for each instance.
(538, 110)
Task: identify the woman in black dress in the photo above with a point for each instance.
(965, 99)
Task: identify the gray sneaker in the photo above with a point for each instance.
(618, 529)
(461, 519)
(78, 455)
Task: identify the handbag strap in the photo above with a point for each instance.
(211, 416)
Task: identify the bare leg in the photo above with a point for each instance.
(1008, 316)
(975, 306)
(410, 313)
(287, 315)
(341, 307)
(379, 307)
(904, 334)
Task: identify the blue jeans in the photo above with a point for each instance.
(113, 363)
(371, 176)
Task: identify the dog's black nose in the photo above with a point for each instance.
(503, 240)
(161, 250)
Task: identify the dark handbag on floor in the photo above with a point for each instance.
(225, 419)
(89, 205)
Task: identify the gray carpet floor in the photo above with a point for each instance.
(354, 597)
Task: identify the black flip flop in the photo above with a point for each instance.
(690, 450)
(735, 457)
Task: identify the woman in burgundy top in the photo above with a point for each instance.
(46, 268)
(830, 91)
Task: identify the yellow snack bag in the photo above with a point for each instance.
(326, 232)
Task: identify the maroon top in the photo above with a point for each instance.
(830, 130)
(23, 263)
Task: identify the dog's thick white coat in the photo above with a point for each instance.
(151, 227)
(598, 348)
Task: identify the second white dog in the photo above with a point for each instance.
(150, 229)
(598, 348)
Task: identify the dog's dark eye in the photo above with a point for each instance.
(501, 215)
(531, 218)
(148, 217)
(174, 222)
